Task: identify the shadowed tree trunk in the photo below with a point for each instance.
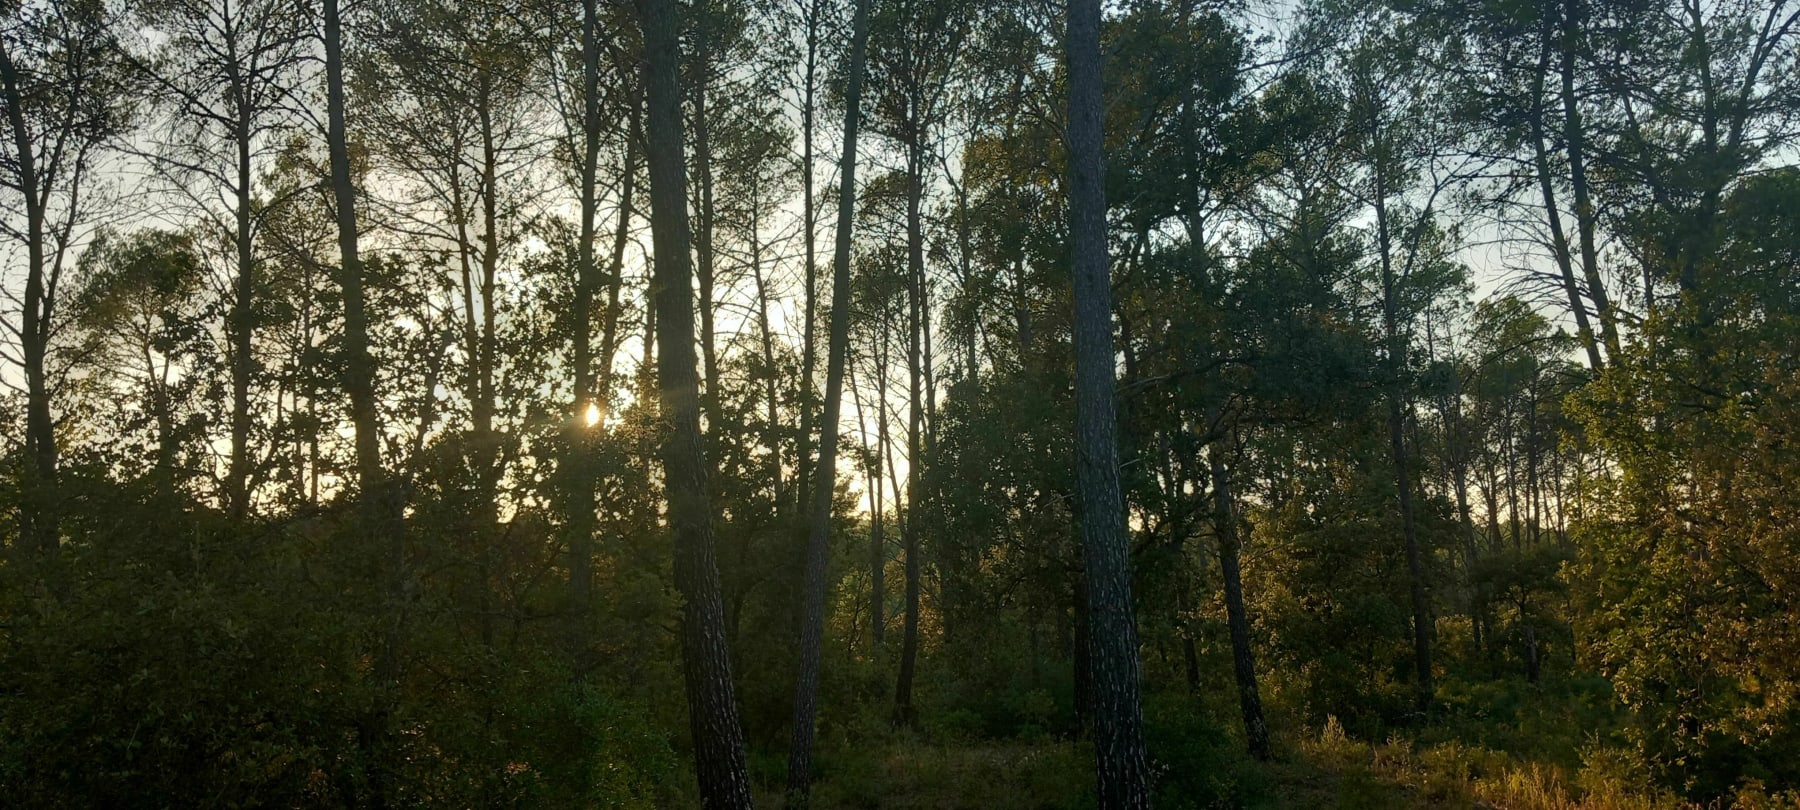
(38, 519)
(1118, 720)
(915, 418)
(237, 490)
(379, 502)
(811, 12)
(1243, 658)
(1559, 240)
(806, 691)
(587, 394)
(1396, 418)
(1576, 147)
(718, 738)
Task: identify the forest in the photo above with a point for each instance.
(900, 404)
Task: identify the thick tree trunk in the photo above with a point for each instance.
(359, 374)
(380, 502)
(38, 512)
(718, 738)
(806, 692)
(1123, 770)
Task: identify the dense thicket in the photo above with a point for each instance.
(447, 402)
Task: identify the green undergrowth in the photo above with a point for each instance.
(1507, 745)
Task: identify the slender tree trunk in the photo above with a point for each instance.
(1533, 484)
(1243, 657)
(915, 489)
(1492, 495)
(718, 738)
(771, 394)
(156, 391)
(703, 232)
(1396, 349)
(237, 492)
(1460, 479)
(883, 464)
(615, 276)
(806, 692)
(877, 539)
(1512, 486)
(1531, 654)
(577, 461)
(647, 395)
(877, 559)
(1123, 770)
(1190, 654)
(487, 441)
(809, 221)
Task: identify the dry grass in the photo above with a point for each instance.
(1452, 775)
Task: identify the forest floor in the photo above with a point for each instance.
(1500, 744)
(1330, 772)
(1515, 746)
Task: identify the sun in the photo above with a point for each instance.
(593, 414)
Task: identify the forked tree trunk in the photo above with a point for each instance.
(38, 518)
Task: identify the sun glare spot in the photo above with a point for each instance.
(593, 414)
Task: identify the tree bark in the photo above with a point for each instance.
(237, 493)
(1243, 657)
(718, 737)
(915, 488)
(1559, 241)
(359, 366)
(379, 503)
(1123, 770)
(577, 461)
(38, 513)
(703, 231)
(806, 692)
(1396, 412)
(809, 222)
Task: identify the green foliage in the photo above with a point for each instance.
(1685, 577)
(1197, 762)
